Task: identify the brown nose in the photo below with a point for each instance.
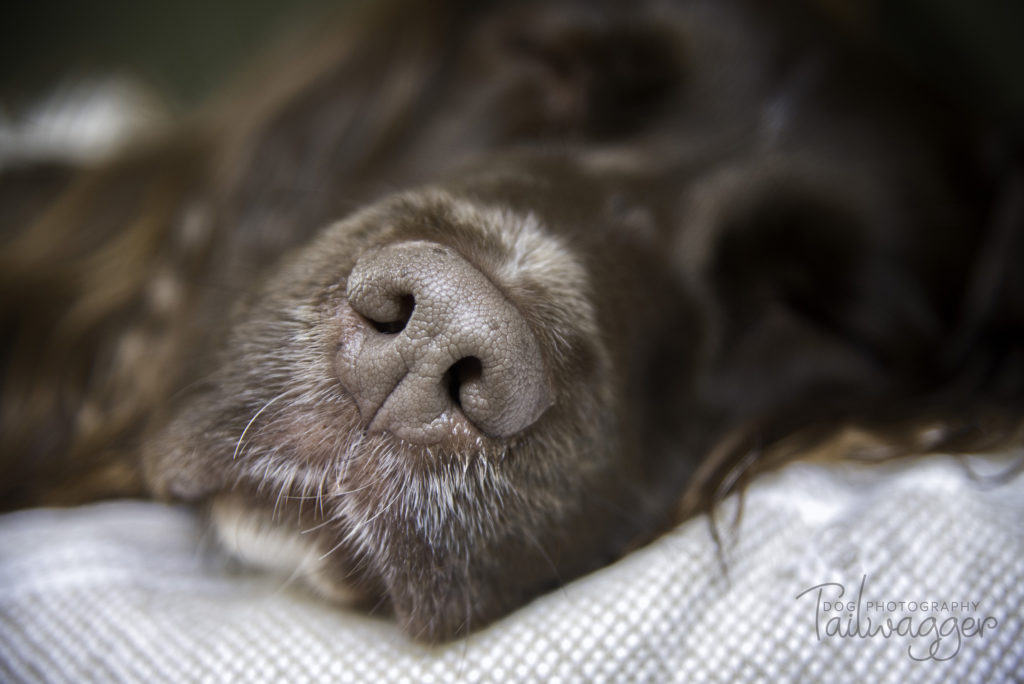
(438, 338)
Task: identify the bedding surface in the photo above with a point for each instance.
(903, 572)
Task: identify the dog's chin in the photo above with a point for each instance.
(428, 530)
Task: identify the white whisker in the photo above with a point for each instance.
(252, 420)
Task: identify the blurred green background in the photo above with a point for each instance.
(187, 47)
(184, 48)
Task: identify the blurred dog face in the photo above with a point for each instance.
(622, 236)
(441, 394)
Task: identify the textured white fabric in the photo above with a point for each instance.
(131, 591)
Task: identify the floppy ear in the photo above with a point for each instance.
(26, 190)
(810, 296)
(85, 343)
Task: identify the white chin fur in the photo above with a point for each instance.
(255, 539)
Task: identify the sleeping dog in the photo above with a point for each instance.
(467, 299)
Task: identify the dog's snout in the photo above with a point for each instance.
(437, 338)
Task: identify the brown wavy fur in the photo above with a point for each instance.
(120, 285)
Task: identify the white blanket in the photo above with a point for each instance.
(131, 591)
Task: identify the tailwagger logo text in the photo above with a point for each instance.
(937, 630)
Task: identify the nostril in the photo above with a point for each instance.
(463, 371)
(396, 318)
(454, 325)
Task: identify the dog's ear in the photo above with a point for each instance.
(26, 190)
(85, 343)
(812, 293)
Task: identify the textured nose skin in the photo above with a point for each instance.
(438, 338)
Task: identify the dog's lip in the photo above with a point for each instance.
(452, 425)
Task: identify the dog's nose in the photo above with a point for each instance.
(438, 338)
